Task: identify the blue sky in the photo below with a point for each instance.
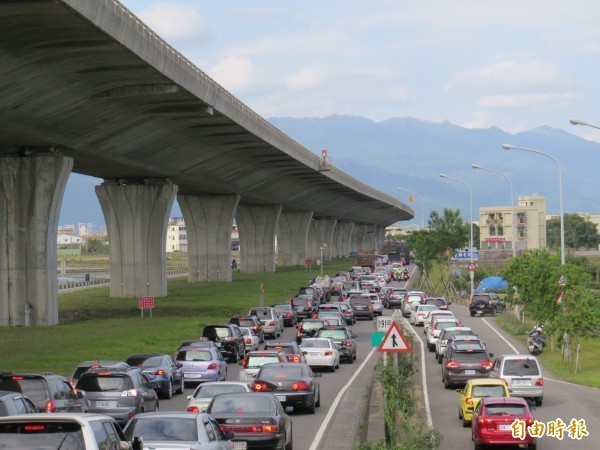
(476, 63)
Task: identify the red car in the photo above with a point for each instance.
(492, 422)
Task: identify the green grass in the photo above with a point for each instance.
(552, 359)
(95, 326)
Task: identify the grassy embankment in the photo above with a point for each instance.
(552, 358)
(95, 326)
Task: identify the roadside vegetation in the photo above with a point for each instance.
(566, 299)
(95, 326)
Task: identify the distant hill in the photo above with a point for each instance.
(410, 153)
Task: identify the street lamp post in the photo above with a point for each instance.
(321, 248)
(472, 272)
(560, 189)
(512, 202)
(581, 122)
(422, 203)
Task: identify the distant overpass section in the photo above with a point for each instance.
(87, 87)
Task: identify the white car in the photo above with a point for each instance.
(321, 352)
(410, 299)
(440, 345)
(250, 338)
(204, 393)
(431, 314)
(419, 313)
(44, 430)
(270, 318)
(436, 328)
(255, 360)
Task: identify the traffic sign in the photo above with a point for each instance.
(394, 341)
(383, 323)
(471, 267)
(465, 255)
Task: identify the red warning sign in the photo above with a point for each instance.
(394, 341)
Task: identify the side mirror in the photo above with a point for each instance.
(124, 445)
(491, 355)
(189, 397)
(137, 443)
(179, 365)
(80, 395)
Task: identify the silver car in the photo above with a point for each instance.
(522, 374)
(178, 429)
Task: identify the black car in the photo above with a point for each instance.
(291, 349)
(47, 391)
(15, 403)
(393, 299)
(344, 341)
(119, 393)
(486, 303)
(314, 292)
(464, 361)
(309, 328)
(362, 306)
(304, 305)
(250, 322)
(288, 312)
(440, 302)
(228, 338)
(165, 375)
(292, 384)
(256, 418)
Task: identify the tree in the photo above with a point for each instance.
(579, 233)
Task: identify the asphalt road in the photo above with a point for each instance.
(561, 400)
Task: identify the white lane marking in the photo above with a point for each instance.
(334, 405)
(516, 351)
(423, 372)
(501, 337)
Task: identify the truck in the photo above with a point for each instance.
(401, 251)
(367, 260)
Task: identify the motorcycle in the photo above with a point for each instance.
(536, 340)
(405, 276)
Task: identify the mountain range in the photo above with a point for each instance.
(411, 153)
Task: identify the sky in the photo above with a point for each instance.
(511, 64)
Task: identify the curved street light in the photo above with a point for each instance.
(581, 122)
(512, 201)
(472, 273)
(422, 215)
(560, 188)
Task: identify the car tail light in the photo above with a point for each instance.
(271, 324)
(328, 353)
(256, 328)
(489, 302)
(370, 307)
(288, 314)
(260, 386)
(129, 393)
(529, 421)
(212, 366)
(193, 409)
(487, 364)
(159, 372)
(469, 401)
(300, 386)
(248, 341)
(17, 378)
(539, 382)
(50, 406)
(481, 421)
(452, 364)
(35, 427)
(270, 429)
(348, 344)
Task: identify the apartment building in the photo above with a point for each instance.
(496, 225)
(176, 235)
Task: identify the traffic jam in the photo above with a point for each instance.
(252, 378)
(249, 379)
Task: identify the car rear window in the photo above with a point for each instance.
(488, 391)
(284, 348)
(312, 325)
(165, 429)
(98, 383)
(505, 409)
(467, 346)
(316, 344)
(210, 390)
(334, 334)
(442, 325)
(246, 322)
(32, 387)
(277, 371)
(360, 301)
(521, 367)
(255, 361)
(194, 355)
(214, 332)
(300, 301)
(262, 313)
(414, 298)
(145, 361)
(242, 403)
(437, 302)
(28, 434)
(469, 357)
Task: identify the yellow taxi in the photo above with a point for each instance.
(475, 390)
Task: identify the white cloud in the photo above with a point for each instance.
(234, 73)
(524, 100)
(174, 20)
(304, 79)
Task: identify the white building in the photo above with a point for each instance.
(176, 235)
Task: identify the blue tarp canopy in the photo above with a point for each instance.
(491, 284)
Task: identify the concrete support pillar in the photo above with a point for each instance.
(379, 237)
(312, 243)
(369, 239)
(136, 218)
(357, 239)
(208, 222)
(292, 236)
(342, 235)
(324, 230)
(31, 193)
(257, 224)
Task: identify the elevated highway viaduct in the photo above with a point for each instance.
(88, 88)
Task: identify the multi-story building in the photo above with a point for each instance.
(496, 228)
(176, 235)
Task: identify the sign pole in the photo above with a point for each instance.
(385, 359)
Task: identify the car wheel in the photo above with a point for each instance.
(532, 446)
(181, 385)
(351, 359)
(290, 445)
(466, 423)
(439, 358)
(156, 407)
(318, 402)
(169, 391)
(472, 314)
(312, 408)
(494, 311)
(478, 447)
(431, 347)
(460, 416)
(539, 401)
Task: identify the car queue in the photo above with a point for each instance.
(123, 397)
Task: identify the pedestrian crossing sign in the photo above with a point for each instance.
(394, 341)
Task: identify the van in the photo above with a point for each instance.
(522, 375)
(271, 320)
